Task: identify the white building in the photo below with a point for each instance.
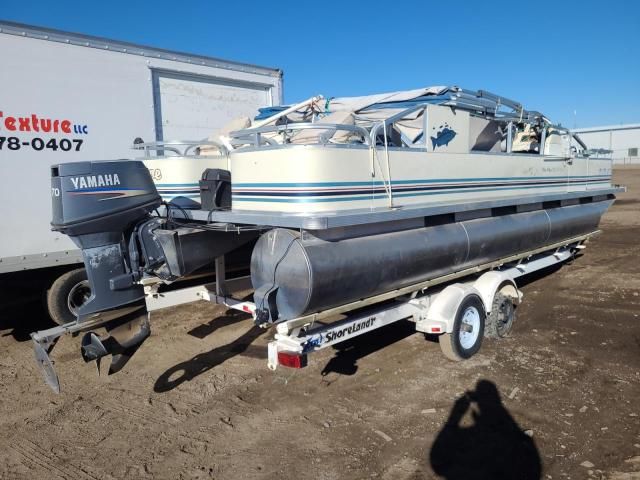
(622, 140)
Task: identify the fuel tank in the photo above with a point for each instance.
(295, 273)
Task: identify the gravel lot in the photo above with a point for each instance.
(558, 399)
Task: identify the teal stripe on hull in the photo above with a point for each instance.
(237, 198)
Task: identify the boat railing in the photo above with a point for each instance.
(492, 105)
(384, 124)
(256, 136)
(180, 148)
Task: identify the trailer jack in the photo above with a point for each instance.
(126, 334)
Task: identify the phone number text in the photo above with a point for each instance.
(40, 144)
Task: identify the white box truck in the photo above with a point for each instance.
(68, 97)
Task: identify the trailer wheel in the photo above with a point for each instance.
(468, 330)
(68, 293)
(500, 321)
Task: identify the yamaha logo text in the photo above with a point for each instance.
(92, 181)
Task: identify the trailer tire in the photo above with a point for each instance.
(67, 293)
(460, 344)
(500, 321)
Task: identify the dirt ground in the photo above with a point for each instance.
(558, 399)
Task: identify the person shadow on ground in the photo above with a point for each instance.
(493, 447)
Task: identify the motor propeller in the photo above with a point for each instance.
(125, 337)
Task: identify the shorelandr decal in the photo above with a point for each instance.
(33, 123)
(354, 327)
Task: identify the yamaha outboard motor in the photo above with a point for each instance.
(105, 207)
(99, 205)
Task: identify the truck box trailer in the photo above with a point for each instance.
(68, 97)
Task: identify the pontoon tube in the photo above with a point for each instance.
(296, 274)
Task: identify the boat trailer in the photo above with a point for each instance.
(460, 307)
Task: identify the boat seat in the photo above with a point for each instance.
(556, 143)
(525, 141)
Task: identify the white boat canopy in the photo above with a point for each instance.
(371, 119)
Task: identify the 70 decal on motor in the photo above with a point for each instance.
(39, 144)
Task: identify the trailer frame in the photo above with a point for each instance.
(431, 304)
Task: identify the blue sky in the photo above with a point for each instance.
(557, 57)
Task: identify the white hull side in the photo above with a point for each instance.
(310, 179)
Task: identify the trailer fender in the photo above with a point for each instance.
(491, 282)
(445, 306)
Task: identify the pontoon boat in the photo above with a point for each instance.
(353, 202)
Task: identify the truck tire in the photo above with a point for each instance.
(500, 321)
(67, 293)
(468, 329)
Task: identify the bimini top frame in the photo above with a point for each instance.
(369, 116)
(480, 102)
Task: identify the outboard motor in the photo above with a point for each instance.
(105, 207)
(99, 205)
